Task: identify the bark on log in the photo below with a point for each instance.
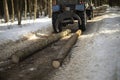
(5, 63)
(34, 46)
(56, 63)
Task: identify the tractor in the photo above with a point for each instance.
(65, 12)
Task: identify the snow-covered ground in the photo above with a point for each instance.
(96, 56)
(11, 31)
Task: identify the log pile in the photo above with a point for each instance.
(99, 9)
(36, 45)
(56, 63)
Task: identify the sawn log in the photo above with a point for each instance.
(56, 63)
(34, 46)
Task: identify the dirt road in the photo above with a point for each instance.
(96, 56)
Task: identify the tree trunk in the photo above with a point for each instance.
(50, 8)
(45, 8)
(6, 12)
(19, 4)
(12, 3)
(96, 3)
(35, 9)
(38, 8)
(35, 45)
(25, 9)
(56, 63)
(41, 7)
(30, 8)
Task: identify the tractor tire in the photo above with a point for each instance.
(58, 26)
(54, 18)
(84, 21)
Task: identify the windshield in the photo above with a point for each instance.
(67, 1)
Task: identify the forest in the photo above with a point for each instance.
(11, 10)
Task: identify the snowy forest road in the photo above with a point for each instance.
(96, 55)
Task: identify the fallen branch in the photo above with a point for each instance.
(34, 46)
(56, 63)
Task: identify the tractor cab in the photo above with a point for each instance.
(66, 11)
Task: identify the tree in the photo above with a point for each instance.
(6, 10)
(12, 3)
(50, 8)
(45, 8)
(30, 8)
(25, 9)
(19, 11)
(35, 8)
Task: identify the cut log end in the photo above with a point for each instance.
(79, 32)
(32, 46)
(56, 64)
(15, 59)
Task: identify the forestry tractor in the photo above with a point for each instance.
(67, 11)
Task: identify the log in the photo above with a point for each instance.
(34, 46)
(5, 63)
(56, 63)
(98, 10)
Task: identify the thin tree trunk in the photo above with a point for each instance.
(30, 8)
(12, 3)
(38, 8)
(101, 2)
(41, 7)
(45, 8)
(19, 11)
(25, 9)
(96, 3)
(6, 12)
(35, 8)
(50, 8)
(18, 15)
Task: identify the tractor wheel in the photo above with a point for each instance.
(54, 19)
(58, 26)
(84, 21)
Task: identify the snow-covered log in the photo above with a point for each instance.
(34, 46)
(56, 63)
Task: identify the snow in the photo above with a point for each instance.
(96, 55)
(12, 31)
